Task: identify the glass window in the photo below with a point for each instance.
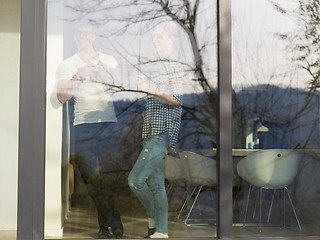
(275, 118)
(131, 119)
(9, 103)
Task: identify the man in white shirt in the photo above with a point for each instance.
(86, 77)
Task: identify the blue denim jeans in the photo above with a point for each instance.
(146, 180)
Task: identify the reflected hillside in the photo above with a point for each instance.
(287, 117)
(264, 116)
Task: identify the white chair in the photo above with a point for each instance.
(270, 169)
(174, 169)
(174, 172)
(200, 171)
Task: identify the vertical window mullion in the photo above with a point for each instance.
(224, 120)
(31, 162)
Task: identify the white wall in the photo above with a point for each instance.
(9, 105)
(53, 204)
(53, 201)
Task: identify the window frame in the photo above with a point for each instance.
(32, 102)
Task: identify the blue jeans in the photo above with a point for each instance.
(95, 148)
(146, 180)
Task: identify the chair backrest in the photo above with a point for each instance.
(174, 169)
(272, 168)
(199, 169)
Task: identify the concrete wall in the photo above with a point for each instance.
(9, 105)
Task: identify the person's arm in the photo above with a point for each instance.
(168, 98)
(165, 97)
(66, 88)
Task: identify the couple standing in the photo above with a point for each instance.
(86, 77)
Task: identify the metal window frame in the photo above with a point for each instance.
(32, 102)
(224, 150)
(32, 122)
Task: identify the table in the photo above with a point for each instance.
(238, 152)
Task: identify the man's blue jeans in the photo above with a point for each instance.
(146, 180)
(95, 149)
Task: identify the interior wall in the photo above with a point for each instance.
(54, 211)
(9, 105)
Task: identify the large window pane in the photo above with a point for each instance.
(131, 99)
(9, 103)
(275, 118)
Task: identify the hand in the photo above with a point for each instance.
(144, 85)
(84, 72)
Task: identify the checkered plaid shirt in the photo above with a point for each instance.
(158, 116)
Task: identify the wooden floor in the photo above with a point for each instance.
(83, 224)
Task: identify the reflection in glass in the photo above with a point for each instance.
(86, 76)
(275, 119)
(128, 80)
(161, 125)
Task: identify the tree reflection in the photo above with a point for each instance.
(304, 39)
(194, 56)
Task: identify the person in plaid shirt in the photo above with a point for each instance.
(162, 117)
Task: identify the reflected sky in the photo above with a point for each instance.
(259, 55)
(128, 38)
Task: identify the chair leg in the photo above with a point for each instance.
(260, 209)
(284, 208)
(257, 199)
(260, 197)
(255, 207)
(194, 202)
(169, 188)
(185, 194)
(294, 211)
(186, 201)
(247, 204)
(271, 205)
